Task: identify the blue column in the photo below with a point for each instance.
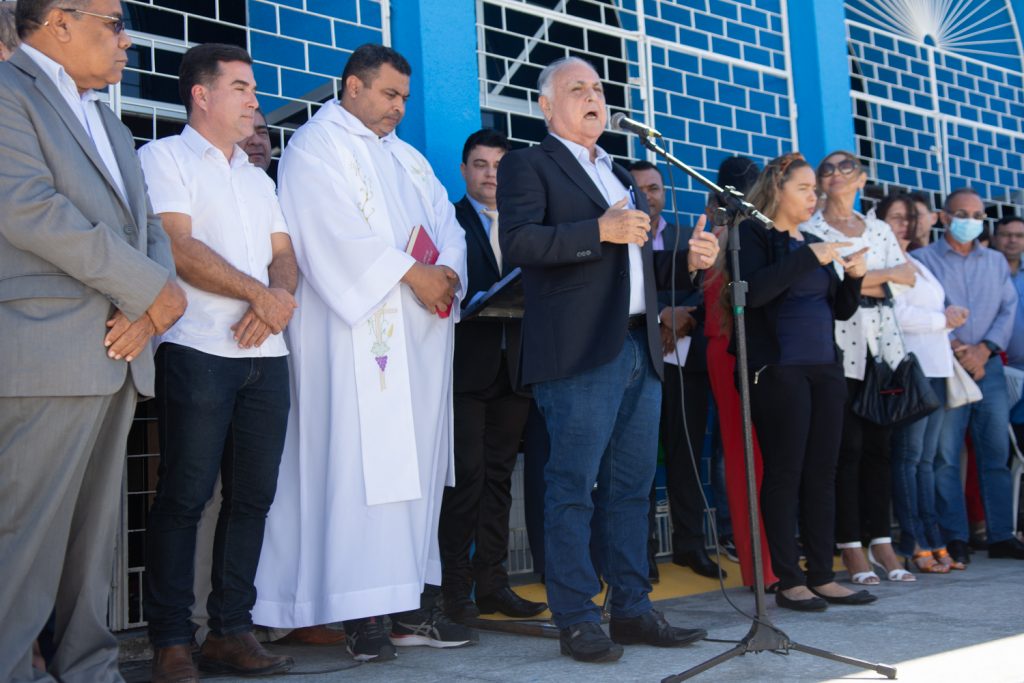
(821, 77)
(438, 37)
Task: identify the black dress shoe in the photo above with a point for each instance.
(506, 601)
(459, 608)
(586, 642)
(1010, 548)
(959, 551)
(652, 629)
(805, 605)
(861, 597)
(698, 561)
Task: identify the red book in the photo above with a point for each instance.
(423, 249)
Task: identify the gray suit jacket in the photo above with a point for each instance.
(71, 250)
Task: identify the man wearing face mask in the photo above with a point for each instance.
(979, 279)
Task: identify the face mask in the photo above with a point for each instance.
(965, 230)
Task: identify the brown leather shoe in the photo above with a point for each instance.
(240, 653)
(314, 635)
(174, 665)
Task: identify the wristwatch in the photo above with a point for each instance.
(993, 349)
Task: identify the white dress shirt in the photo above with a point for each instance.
(84, 105)
(921, 314)
(234, 210)
(612, 189)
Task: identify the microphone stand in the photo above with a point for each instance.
(763, 636)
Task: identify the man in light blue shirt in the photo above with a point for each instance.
(1008, 239)
(978, 279)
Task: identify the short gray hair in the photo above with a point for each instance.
(548, 73)
(8, 32)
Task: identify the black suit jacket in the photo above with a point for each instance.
(478, 341)
(575, 288)
(696, 359)
(770, 268)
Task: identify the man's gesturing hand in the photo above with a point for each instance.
(620, 225)
(703, 247)
(434, 286)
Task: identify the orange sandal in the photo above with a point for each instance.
(942, 555)
(925, 562)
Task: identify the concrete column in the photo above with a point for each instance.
(438, 37)
(821, 77)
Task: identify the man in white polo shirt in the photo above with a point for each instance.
(222, 375)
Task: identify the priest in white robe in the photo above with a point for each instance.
(353, 530)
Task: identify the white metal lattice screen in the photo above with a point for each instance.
(938, 98)
(711, 75)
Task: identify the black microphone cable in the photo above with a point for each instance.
(686, 431)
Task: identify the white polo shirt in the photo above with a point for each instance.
(234, 210)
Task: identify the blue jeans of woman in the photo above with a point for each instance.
(913, 478)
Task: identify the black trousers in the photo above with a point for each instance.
(681, 470)
(863, 478)
(488, 427)
(798, 414)
(536, 450)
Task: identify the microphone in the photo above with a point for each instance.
(627, 125)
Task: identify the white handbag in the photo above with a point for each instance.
(961, 388)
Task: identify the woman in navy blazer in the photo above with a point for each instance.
(798, 287)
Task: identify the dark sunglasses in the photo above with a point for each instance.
(846, 167)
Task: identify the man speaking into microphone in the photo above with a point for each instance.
(591, 351)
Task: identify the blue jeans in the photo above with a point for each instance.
(913, 478)
(217, 415)
(603, 425)
(987, 420)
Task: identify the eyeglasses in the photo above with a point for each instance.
(846, 167)
(977, 215)
(116, 23)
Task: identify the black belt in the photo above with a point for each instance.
(874, 302)
(635, 321)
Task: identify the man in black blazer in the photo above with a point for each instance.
(489, 413)
(683, 443)
(592, 353)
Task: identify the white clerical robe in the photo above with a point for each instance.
(353, 529)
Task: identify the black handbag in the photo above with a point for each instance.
(893, 398)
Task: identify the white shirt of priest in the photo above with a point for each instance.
(330, 553)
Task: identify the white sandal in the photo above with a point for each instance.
(898, 575)
(868, 578)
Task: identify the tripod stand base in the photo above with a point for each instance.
(764, 637)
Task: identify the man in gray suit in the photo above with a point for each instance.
(86, 279)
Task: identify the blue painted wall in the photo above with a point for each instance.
(438, 37)
(820, 72)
